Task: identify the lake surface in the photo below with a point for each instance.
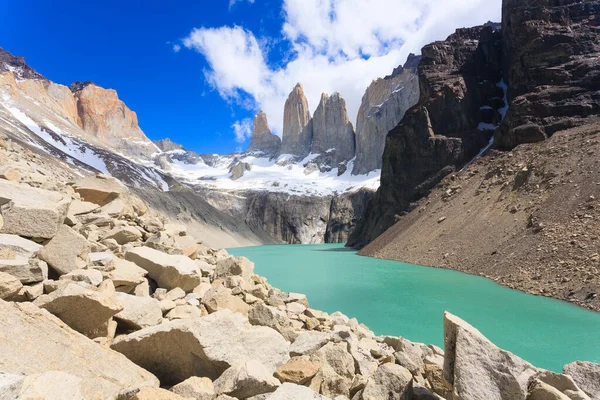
(399, 299)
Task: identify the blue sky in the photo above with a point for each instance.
(233, 58)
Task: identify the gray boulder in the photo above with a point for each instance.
(67, 251)
(246, 379)
(586, 375)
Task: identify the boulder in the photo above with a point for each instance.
(476, 368)
(185, 311)
(9, 286)
(124, 234)
(125, 275)
(308, 342)
(219, 298)
(196, 388)
(89, 276)
(246, 379)
(138, 312)
(154, 394)
(290, 391)
(169, 271)
(298, 370)
(79, 207)
(99, 189)
(10, 174)
(264, 315)
(85, 310)
(51, 385)
(586, 375)
(204, 346)
(232, 266)
(548, 384)
(31, 212)
(26, 270)
(67, 251)
(20, 246)
(390, 381)
(103, 373)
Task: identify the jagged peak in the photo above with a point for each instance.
(78, 86)
(18, 66)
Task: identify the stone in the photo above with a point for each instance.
(10, 174)
(175, 229)
(154, 394)
(89, 276)
(79, 207)
(196, 388)
(169, 271)
(185, 311)
(561, 386)
(335, 357)
(86, 311)
(124, 234)
(586, 375)
(262, 139)
(26, 270)
(383, 105)
(390, 381)
(204, 346)
(219, 298)
(290, 391)
(246, 379)
(174, 294)
(67, 251)
(295, 308)
(9, 286)
(51, 385)
(20, 246)
(238, 169)
(309, 342)
(296, 138)
(138, 312)
(235, 266)
(188, 245)
(264, 315)
(332, 128)
(126, 275)
(31, 212)
(99, 189)
(471, 363)
(103, 373)
(298, 370)
(542, 391)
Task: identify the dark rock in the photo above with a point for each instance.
(18, 66)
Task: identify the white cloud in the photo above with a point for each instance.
(176, 48)
(233, 2)
(337, 45)
(242, 130)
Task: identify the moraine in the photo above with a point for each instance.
(394, 298)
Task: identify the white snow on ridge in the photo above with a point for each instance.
(70, 147)
(279, 175)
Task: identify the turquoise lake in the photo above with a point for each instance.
(394, 298)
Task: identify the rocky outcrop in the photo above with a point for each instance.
(383, 106)
(167, 145)
(447, 128)
(18, 66)
(297, 133)
(332, 130)
(344, 213)
(104, 116)
(262, 139)
(551, 51)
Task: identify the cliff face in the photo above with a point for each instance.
(332, 129)
(18, 66)
(106, 117)
(551, 51)
(383, 106)
(262, 139)
(458, 81)
(297, 137)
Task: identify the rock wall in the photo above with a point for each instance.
(551, 64)
(262, 139)
(332, 129)
(296, 115)
(106, 117)
(458, 82)
(383, 105)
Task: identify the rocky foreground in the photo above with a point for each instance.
(102, 298)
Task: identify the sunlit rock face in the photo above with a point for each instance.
(297, 133)
(105, 116)
(383, 106)
(332, 129)
(262, 139)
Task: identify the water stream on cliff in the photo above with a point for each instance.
(394, 298)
